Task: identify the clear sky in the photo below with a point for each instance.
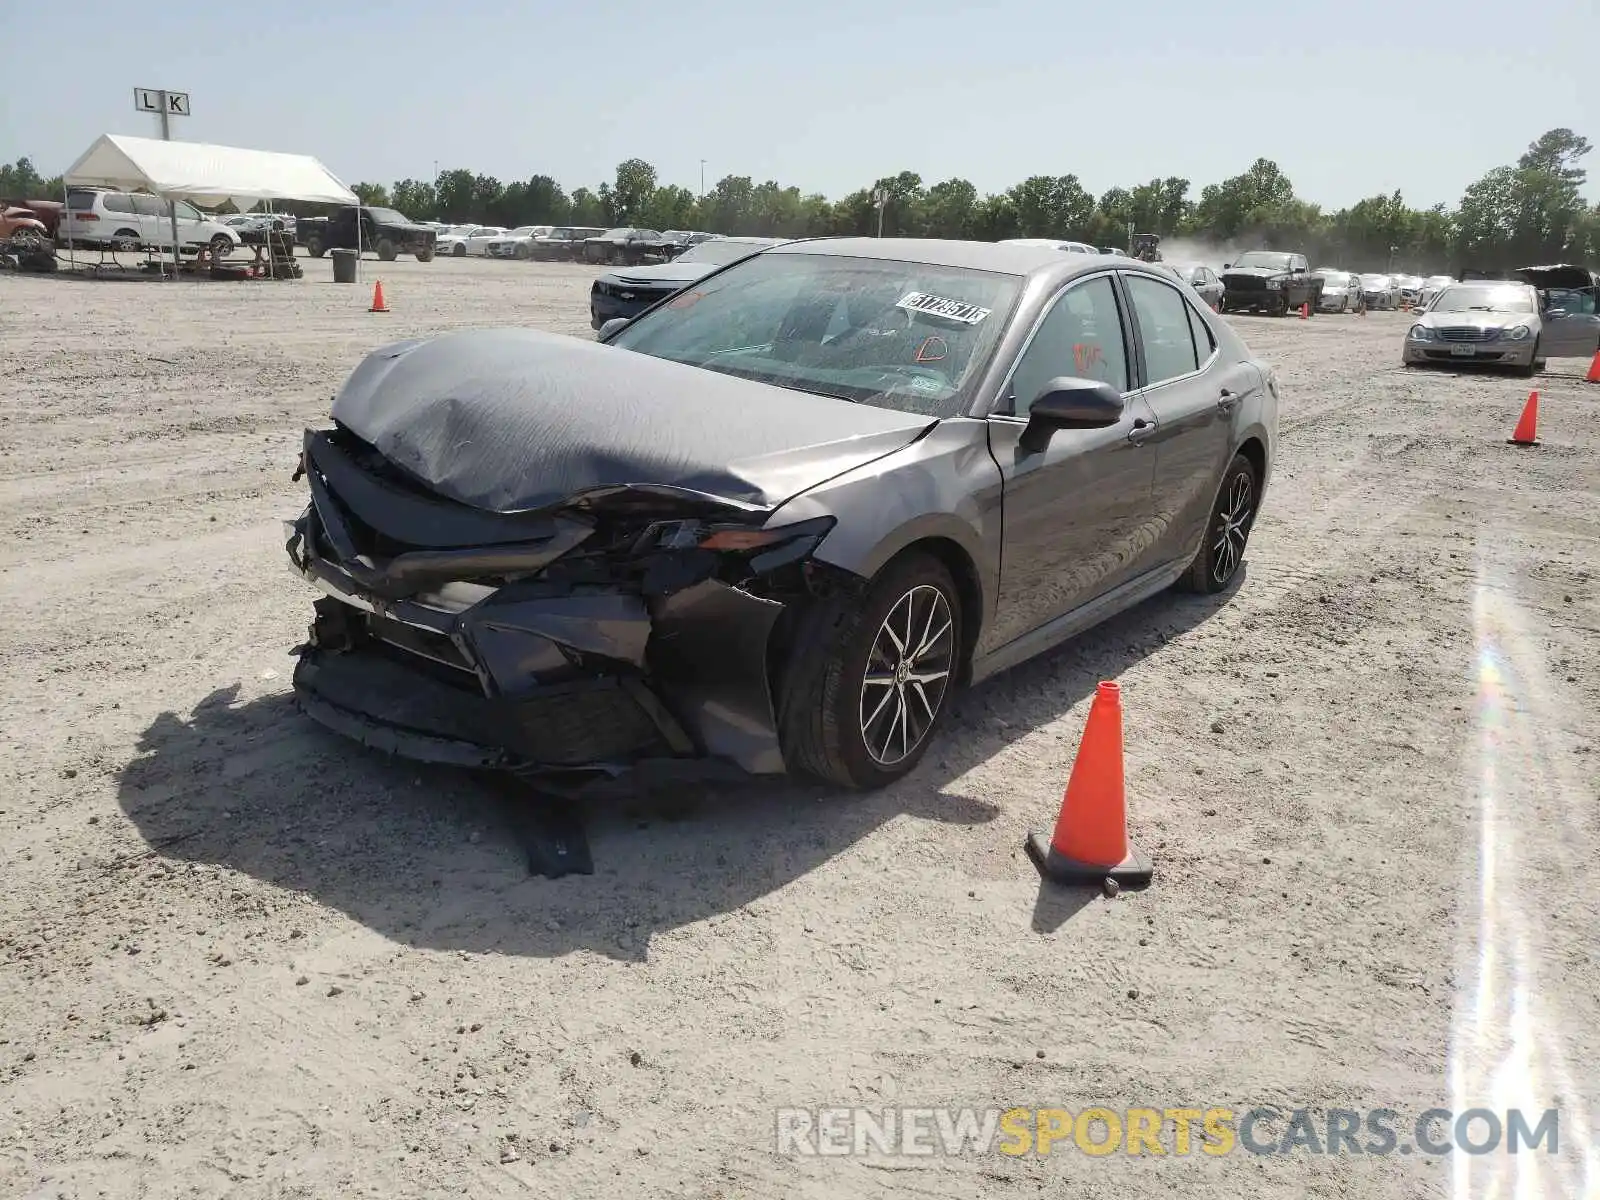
(1351, 98)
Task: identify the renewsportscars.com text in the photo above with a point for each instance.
(919, 1132)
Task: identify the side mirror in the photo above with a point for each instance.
(1227, 266)
(612, 327)
(1069, 403)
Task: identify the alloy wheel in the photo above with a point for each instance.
(1232, 527)
(907, 674)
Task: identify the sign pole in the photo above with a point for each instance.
(172, 205)
(165, 104)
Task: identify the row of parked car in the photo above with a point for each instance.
(565, 243)
(1348, 291)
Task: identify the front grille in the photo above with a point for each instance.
(1465, 333)
(1244, 283)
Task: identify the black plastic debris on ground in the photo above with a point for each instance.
(546, 818)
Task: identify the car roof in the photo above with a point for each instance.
(998, 257)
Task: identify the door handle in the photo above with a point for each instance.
(1227, 400)
(1141, 430)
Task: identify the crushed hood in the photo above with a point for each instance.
(513, 420)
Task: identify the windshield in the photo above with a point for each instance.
(1490, 298)
(616, 234)
(1337, 278)
(1263, 258)
(896, 335)
(1375, 280)
(521, 231)
(388, 216)
(719, 251)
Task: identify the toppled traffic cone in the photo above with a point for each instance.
(1305, 310)
(1594, 370)
(377, 298)
(1090, 842)
(1527, 431)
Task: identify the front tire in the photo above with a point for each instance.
(868, 681)
(1227, 530)
(425, 255)
(386, 250)
(221, 246)
(314, 246)
(460, 250)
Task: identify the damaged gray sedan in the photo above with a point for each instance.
(775, 520)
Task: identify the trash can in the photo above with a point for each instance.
(344, 265)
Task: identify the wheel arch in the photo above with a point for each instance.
(953, 557)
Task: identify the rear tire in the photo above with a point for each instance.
(386, 250)
(460, 250)
(855, 711)
(314, 246)
(523, 252)
(1227, 530)
(425, 255)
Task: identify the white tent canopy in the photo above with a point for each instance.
(206, 175)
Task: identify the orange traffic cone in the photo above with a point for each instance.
(377, 298)
(1526, 433)
(1305, 311)
(1090, 843)
(1594, 370)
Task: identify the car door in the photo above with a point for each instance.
(1569, 328)
(191, 223)
(1194, 396)
(1074, 515)
(149, 215)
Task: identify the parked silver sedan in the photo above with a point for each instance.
(1380, 291)
(1341, 290)
(1203, 280)
(1500, 323)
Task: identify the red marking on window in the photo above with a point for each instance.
(933, 349)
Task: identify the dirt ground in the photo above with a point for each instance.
(244, 958)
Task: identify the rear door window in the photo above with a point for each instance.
(1164, 329)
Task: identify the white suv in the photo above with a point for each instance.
(128, 220)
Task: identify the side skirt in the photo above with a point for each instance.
(1070, 624)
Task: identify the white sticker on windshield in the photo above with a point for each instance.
(939, 306)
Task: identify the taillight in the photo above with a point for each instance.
(88, 216)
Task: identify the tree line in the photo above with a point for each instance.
(1530, 211)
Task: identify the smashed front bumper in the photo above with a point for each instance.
(525, 677)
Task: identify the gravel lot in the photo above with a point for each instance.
(244, 958)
